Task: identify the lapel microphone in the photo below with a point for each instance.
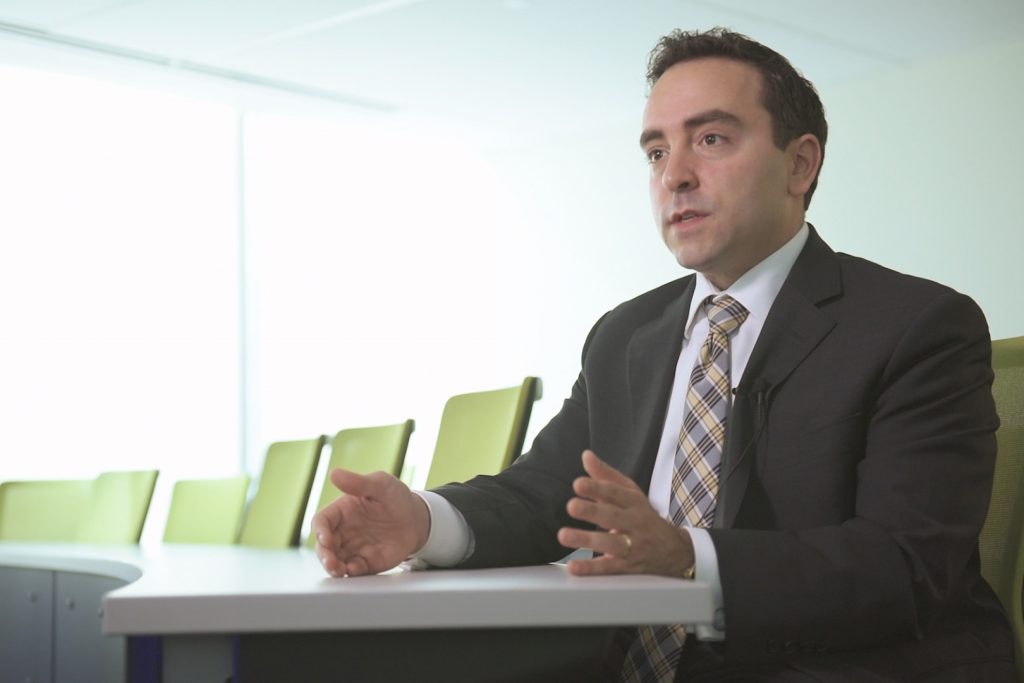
(760, 391)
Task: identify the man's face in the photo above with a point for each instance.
(720, 188)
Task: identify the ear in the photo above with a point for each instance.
(805, 160)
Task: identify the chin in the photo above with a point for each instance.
(682, 260)
(687, 252)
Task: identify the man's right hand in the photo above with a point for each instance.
(375, 525)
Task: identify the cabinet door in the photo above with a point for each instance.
(26, 620)
(82, 653)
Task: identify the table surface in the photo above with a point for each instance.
(181, 589)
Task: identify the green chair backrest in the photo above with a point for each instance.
(364, 450)
(206, 510)
(275, 514)
(43, 510)
(482, 432)
(1002, 538)
(117, 512)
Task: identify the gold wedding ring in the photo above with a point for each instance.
(629, 544)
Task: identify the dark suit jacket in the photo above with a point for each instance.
(856, 476)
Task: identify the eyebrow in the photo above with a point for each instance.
(695, 121)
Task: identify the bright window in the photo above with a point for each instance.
(119, 281)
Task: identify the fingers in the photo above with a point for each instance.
(331, 545)
(606, 484)
(603, 515)
(324, 523)
(607, 498)
(372, 527)
(357, 566)
(367, 486)
(326, 543)
(613, 551)
(330, 562)
(631, 537)
(604, 565)
(606, 543)
(604, 492)
(602, 471)
(657, 548)
(343, 555)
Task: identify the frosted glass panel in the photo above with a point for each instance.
(119, 281)
(386, 274)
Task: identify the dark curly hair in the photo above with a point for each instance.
(790, 99)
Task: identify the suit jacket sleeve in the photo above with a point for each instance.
(616, 408)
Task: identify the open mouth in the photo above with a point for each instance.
(687, 217)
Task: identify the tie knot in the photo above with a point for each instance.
(725, 315)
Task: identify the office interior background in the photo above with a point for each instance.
(226, 223)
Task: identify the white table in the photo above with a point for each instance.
(199, 606)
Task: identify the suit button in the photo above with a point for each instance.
(772, 647)
(790, 647)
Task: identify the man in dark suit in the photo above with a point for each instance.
(831, 491)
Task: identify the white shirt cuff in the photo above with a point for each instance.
(707, 572)
(450, 540)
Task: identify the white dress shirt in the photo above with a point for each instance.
(450, 540)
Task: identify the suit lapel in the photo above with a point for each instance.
(794, 327)
(651, 370)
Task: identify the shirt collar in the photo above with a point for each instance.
(757, 288)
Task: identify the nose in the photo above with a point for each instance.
(679, 175)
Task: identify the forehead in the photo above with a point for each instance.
(688, 88)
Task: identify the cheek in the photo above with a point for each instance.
(744, 192)
(658, 200)
(655, 186)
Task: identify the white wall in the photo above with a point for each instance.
(118, 279)
(583, 231)
(923, 173)
(380, 283)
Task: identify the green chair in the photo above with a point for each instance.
(43, 510)
(206, 510)
(118, 507)
(482, 432)
(365, 450)
(1002, 538)
(275, 514)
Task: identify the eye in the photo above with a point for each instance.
(655, 155)
(711, 139)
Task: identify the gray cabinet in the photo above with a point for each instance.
(26, 623)
(81, 652)
(50, 628)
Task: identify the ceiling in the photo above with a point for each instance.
(499, 68)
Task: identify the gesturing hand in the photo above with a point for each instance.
(632, 538)
(376, 525)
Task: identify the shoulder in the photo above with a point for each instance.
(830, 276)
(907, 320)
(842, 282)
(867, 284)
(659, 305)
(868, 277)
(652, 304)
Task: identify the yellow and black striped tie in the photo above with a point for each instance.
(654, 655)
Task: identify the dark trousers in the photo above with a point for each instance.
(705, 662)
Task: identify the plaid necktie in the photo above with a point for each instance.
(654, 654)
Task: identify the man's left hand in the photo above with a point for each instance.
(632, 538)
